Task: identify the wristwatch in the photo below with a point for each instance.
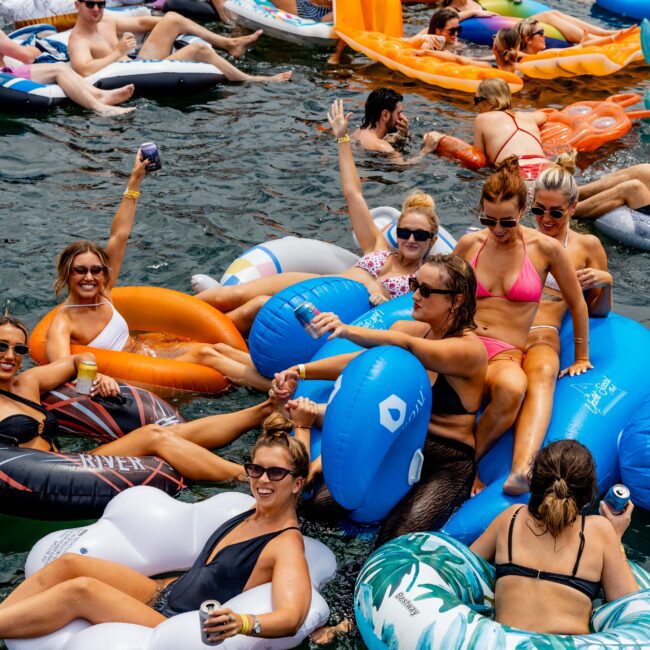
(257, 628)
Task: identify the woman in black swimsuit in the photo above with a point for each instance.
(551, 560)
(259, 546)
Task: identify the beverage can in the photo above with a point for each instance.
(206, 609)
(617, 497)
(150, 151)
(305, 313)
(86, 373)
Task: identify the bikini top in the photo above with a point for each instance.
(589, 588)
(226, 575)
(526, 288)
(396, 285)
(512, 135)
(115, 334)
(20, 428)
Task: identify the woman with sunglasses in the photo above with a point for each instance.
(384, 273)
(554, 204)
(442, 337)
(511, 263)
(186, 447)
(259, 546)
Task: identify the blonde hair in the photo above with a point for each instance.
(507, 42)
(276, 433)
(66, 258)
(497, 92)
(526, 27)
(559, 177)
(421, 203)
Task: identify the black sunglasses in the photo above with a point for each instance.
(478, 99)
(91, 4)
(21, 350)
(554, 213)
(418, 235)
(453, 30)
(539, 32)
(426, 291)
(94, 270)
(491, 222)
(274, 473)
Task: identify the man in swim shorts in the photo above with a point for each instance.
(100, 38)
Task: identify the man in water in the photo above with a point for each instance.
(384, 116)
(99, 39)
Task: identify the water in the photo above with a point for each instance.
(247, 163)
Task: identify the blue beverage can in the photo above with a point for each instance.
(150, 152)
(617, 497)
(305, 313)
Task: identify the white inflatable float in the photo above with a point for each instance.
(262, 14)
(145, 529)
(627, 226)
(297, 254)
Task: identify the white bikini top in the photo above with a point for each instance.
(116, 333)
(551, 282)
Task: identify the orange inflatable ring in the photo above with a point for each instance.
(152, 309)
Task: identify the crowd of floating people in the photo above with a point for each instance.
(485, 325)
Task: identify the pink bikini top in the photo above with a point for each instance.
(373, 263)
(526, 288)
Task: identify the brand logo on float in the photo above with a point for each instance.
(601, 396)
(392, 412)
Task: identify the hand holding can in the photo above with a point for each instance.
(205, 611)
(149, 151)
(86, 373)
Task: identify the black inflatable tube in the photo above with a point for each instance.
(194, 9)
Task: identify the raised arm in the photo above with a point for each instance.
(367, 234)
(54, 374)
(123, 220)
(596, 282)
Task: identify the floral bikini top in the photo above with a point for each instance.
(396, 285)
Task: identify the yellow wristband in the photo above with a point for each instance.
(623, 551)
(343, 138)
(301, 371)
(131, 194)
(244, 623)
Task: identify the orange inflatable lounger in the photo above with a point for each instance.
(153, 309)
(374, 28)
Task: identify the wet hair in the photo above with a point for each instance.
(505, 184)
(379, 100)
(525, 28)
(497, 92)
(275, 433)
(65, 261)
(462, 280)
(14, 322)
(420, 202)
(440, 18)
(508, 43)
(562, 483)
(559, 178)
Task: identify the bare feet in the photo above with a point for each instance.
(113, 111)
(282, 76)
(241, 44)
(117, 96)
(517, 482)
(478, 486)
(327, 634)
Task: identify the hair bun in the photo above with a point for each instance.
(509, 165)
(561, 488)
(567, 161)
(418, 199)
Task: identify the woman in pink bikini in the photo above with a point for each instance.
(512, 263)
(385, 274)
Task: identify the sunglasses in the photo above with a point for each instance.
(478, 100)
(92, 4)
(84, 270)
(554, 213)
(454, 31)
(491, 222)
(21, 350)
(418, 235)
(539, 32)
(426, 291)
(274, 473)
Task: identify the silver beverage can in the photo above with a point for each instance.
(617, 497)
(206, 609)
(305, 313)
(149, 151)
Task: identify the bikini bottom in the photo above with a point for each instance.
(494, 347)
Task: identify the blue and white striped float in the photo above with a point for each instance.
(262, 14)
(430, 592)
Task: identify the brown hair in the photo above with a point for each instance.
(276, 430)
(440, 18)
(507, 42)
(497, 92)
(460, 279)
(421, 203)
(66, 258)
(14, 322)
(505, 184)
(562, 482)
